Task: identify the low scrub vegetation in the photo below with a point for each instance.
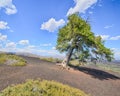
(110, 67)
(12, 60)
(50, 59)
(75, 62)
(2, 59)
(41, 88)
(106, 66)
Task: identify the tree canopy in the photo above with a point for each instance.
(76, 37)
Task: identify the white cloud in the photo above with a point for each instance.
(38, 51)
(104, 37)
(116, 53)
(8, 46)
(4, 25)
(11, 45)
(115, 38)
(11, 10)
(3, 37)
(1, 45)
(49, 44)
(51, 25)
(90, 12)
(8, 6)
(24, 42)
(108, 26)
(53, 48)
(81, 6)
(108, 37)
(31, 46)
(100, 3)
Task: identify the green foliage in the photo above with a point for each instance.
(77, 34)
(8, 57)
(41, 88)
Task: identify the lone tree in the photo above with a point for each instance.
(76, 38)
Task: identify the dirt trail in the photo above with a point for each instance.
(92, 81)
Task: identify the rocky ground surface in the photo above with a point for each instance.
(94, 82)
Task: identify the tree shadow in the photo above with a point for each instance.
(96, 73)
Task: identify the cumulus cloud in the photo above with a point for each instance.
(51, 25)
(32, 46)
(11, 45)
(81, 6)
(90, 12)
(116, 53)
(1, 45)
(53, 48)
(45, 45)
(3, 37)
(108, 37)
(8, 6)
(4, 25)
(104, 37)
(24, 42)
(115, 38)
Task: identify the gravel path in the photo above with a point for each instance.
(92, 81)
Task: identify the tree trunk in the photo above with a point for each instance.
(67, 59)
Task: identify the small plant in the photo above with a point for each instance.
(41, 88)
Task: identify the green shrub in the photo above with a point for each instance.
(74, 62)
(41, 88)
(19, 63)
(50, 59)
(2, 58)
(58, 60)
(110, 67)
(8, 57)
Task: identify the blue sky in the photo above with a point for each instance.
(32, 25)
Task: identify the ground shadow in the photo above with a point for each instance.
(96, 73)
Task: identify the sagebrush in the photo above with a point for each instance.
(41, 88)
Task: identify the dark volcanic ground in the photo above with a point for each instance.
(92, 81)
